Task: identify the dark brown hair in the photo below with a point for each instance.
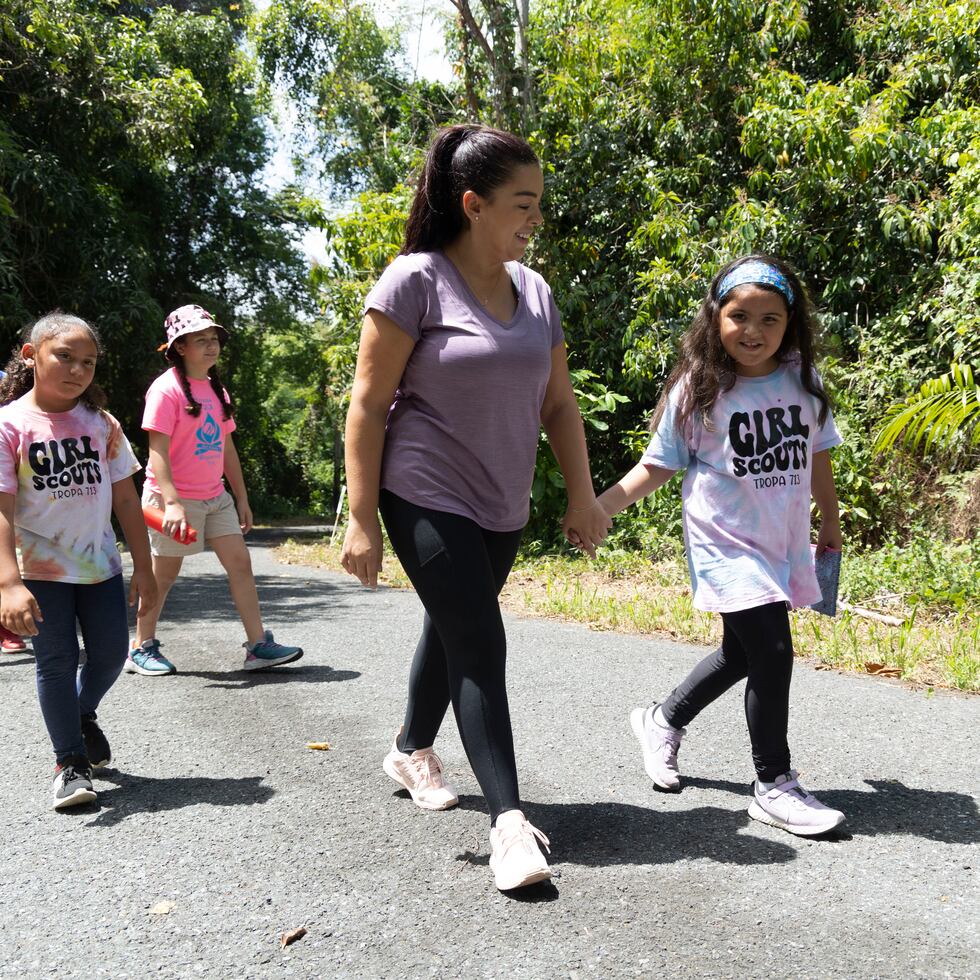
(459, 159)
(193, 406)
(20, 375)
(707, 369)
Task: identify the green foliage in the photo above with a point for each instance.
(133, 141)
(944, 412)
(922, 571)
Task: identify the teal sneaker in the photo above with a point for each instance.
(267, 653)
(147, 660)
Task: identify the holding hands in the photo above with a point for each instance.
(586, 527)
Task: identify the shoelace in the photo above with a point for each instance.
(671, 746)
(523, 834)
(429, 770)
(70, 774)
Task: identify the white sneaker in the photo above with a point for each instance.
(421, 774)
(515, 857)
(660, 744)
(790, 807)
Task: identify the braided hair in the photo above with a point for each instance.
(20, 375)
(193, 406)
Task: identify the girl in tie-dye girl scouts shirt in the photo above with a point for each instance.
(745, 415)
(188, 415)
(65, 468)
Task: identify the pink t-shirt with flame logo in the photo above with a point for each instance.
(197, 443)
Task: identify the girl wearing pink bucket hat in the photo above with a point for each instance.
(190, 422)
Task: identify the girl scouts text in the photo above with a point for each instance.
(64, 463)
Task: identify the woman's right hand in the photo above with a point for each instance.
(19, 611)
(175, 521)
(362, 552)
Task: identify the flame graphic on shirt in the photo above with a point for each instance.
(208, 437)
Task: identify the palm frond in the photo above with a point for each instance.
(938, 414)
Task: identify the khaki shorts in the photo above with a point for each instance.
(214, 518)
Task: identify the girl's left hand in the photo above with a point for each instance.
(144, 585)
(245, 516)
(829, 537)
(586, 529)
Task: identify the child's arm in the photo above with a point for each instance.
(825, 494)
(641, 481)
(236, 481)
(174, 518)
(129, 513)
(19, 610)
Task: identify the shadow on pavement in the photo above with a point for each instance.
(142, 794)
(606, 834)
(13, 659)
(892, 808)
(287, 674)
(204, 598)
(544, 891)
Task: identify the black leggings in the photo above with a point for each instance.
(458, 570)
(756, 645)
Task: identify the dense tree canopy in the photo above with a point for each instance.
(675, 134)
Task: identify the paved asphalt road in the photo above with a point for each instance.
(217, 806)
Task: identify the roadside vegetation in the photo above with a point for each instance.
(937, 644)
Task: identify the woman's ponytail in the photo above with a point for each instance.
(460, 158)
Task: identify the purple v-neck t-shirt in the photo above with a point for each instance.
(462, 434)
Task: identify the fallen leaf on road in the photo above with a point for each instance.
(163, 908)
(288, 938)
(322, 746)
(882, 671)
(823, 666)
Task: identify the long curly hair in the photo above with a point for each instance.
(20, 375)
(707, 369)
(193, 406)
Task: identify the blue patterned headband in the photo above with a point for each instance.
(759, 273)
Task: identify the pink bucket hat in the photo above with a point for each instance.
(190, 319)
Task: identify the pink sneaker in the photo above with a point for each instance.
(421, 774)
(660, 744)
(515, 857)
(790, 807)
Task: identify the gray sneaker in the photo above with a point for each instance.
(790, 807)
(660, 744)
(72, 783)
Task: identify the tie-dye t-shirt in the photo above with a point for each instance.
(746, 492)
(197, 443)
(61, 467)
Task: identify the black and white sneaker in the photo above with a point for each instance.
(73, 782)
(96, 744)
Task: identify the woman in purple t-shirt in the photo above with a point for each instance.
(462, 361)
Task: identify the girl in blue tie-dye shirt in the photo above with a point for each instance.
(745, 416)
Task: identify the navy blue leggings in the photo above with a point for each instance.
(756, 645)
(458, 569)
(65, 692)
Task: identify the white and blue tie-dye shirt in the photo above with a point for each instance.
(746, 490)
